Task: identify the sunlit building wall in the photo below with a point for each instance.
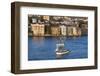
(38, 29)
(63, 30)
(55, 31)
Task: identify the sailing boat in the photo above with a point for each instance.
(60, 47)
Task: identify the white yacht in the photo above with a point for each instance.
(60, 49)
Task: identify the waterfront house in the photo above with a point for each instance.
(46, 18)
(69, 31)
(79, 31)
(63, 30)
(38, 29)
(55, 30)
(73, 31)
(84, 29)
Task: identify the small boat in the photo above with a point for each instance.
(60, 50)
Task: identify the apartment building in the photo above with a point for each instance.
(38, 29)
(63, 30)
(55, 31)
(73, 31)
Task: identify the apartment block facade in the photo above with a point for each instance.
(57, 26)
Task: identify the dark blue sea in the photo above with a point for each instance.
(43, 48)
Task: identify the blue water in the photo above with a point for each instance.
(43, 48)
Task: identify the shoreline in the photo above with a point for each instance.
(56, 36)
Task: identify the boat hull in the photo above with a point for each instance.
(62, 52)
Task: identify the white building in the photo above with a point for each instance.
(63, 30)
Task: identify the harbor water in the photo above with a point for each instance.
(43, 48)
